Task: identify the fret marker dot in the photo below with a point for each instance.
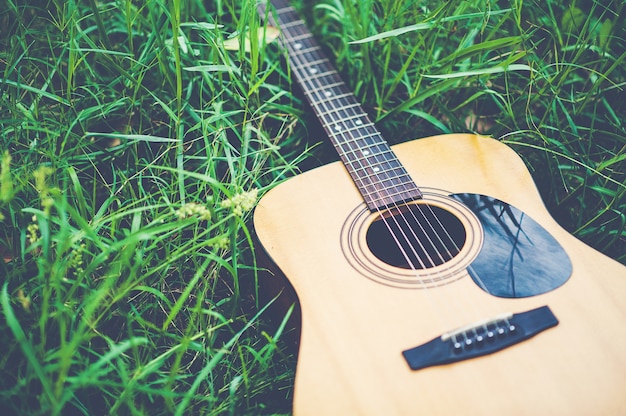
(337, 127)
(297, 45)
(376, 169)
(313, 71)
(358, 122)
(328, 93)
(366, 152)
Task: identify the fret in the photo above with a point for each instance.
(375, 169)
(342, 115)
(310, 75)
(361, 129)
(317, 75)
(331, 98)
(287, 14)
(374, 191)
(293, 29)
(326, 88)
(358, 119)
(376, 150)
(351, 136)
(386, 195)
(375, 186)
(301, 37)
(285, 9)
(359, 160)
(302, 44)
(299, 42)
(336, 96)
(356, 125)
(368, 149)
(370, 188)
(365, 129)
(390, 195)
(311, 64)
(331, 117)
(389, 180)
(291, 24)
(385, 160)
(371, 184)
(338, 100)
(365, 142)
(377, 173)
(324, 93)
(299, 50)
(374, 183)
(312, 58)
(336, 110)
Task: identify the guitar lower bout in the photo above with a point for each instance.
(361, 309)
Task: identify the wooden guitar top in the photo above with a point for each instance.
(354, 328)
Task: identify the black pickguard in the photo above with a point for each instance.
(519, 258)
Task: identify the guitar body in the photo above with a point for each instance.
(354, 328)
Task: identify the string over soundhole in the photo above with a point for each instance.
(416, 236)
(423, 244)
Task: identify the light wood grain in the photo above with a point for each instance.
(354, 329)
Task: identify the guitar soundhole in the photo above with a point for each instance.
(426, 243)
(418, 236)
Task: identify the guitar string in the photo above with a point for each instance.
(318, 101)
(305, 79)
(339, 134)
(485, 327)
(300, 68)
(429, 261)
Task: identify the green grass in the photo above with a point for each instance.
(134, 145)
(135, 158)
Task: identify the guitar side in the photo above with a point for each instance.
(354, 329)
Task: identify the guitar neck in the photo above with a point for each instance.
(372, 164)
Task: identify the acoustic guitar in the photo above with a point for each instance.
(431, 278)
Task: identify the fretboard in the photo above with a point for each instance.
(376, 171)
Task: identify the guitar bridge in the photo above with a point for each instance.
(481, 338)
